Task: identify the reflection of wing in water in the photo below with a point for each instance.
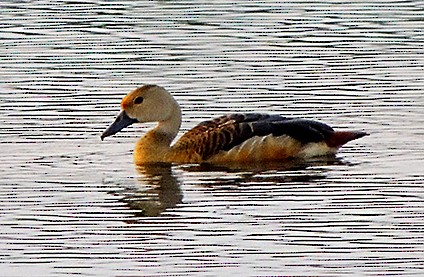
(240, 174)
(158, 191)
(254, 168)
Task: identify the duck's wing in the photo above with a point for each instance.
(225, 132)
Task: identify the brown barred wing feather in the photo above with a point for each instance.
(223, 133)
(226, 132)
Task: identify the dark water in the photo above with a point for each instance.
(73, 205)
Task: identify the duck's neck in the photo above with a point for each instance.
(155, 145)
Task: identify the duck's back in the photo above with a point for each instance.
(257, 137)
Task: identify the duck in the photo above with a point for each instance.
(238, 137)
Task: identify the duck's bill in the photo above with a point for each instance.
(121, 121)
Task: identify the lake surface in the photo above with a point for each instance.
(73, 205)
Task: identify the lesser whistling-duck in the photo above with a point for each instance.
(250, 137)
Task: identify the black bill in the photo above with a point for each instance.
(121, 121)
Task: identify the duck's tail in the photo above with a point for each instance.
(339, 138)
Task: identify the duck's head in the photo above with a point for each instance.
(149, 103)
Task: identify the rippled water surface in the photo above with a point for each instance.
(73, 205)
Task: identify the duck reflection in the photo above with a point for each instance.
(159, 190)
(291, 170)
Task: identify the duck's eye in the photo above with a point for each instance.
(138, 100)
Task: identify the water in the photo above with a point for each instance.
(73, 205)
